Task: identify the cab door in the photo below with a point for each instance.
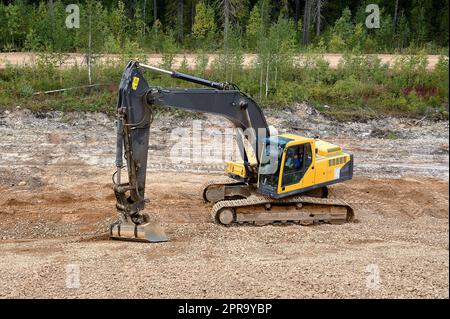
(297, 168)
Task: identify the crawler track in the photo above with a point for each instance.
(261, 210)
(258, 209)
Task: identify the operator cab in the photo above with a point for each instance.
(286, 164)
(292, 164)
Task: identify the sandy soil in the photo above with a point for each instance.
(22, 58)
(56, 204)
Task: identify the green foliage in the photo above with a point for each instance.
(24, 88)
(201, 62)
(229, 61)
(118, 23)
(254, 27)
(441, 77)
(115, 25)
(12, 27)
(281, 46)
(402, 34)
(140, 27)
(420, 18)
(410, 71)
(361, 86)
(342, 32)
(93, 20)
(351, 92)
(362, 68)
(204, 26)
(315, 70)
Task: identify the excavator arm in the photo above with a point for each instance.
(135, 105)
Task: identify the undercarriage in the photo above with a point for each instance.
(236, 202)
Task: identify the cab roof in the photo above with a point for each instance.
(297, 138)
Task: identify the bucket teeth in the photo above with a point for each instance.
(149, 232)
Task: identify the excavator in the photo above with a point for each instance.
(280, 179)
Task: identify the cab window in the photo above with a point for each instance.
(298, 160)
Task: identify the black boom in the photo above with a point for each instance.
(134, 109)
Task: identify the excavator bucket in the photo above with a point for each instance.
(150, 232)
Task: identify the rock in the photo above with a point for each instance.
(22, 183)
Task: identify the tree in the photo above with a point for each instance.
(228, 10)
(118, 23)
(24, 26)
(140, 27)
(144, 16)
(297, 11)
(242, 14)
(385, 34)
(284, 10)
(89, 38)
(204, 24)
(420, 28)
(180, 21)
(282, 44)
(395, 16)
(253, 27)
(318, 15)
(12, 27)
(258, 23)
(403, 31)
(51, 8)
(341, 32)
(306, 22)
(420, 20)
(262, 46)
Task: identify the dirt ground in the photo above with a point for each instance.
(56, 204)
(23, 58)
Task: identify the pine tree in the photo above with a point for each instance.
(253, 27)
(119, 23)
(403, 31)
(204, 25)
(341, 32)
(420, 20)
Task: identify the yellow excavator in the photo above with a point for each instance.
(281, 179)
